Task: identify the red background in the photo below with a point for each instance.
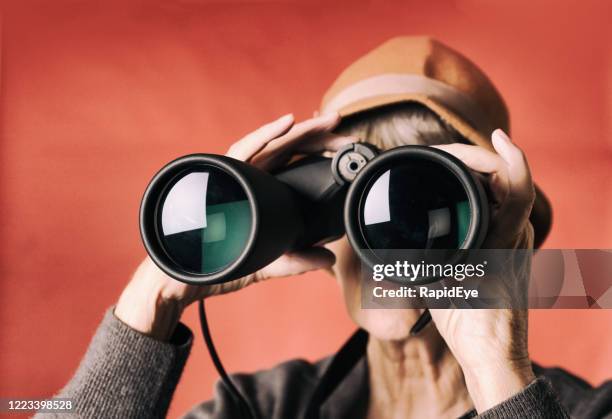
(96, 98)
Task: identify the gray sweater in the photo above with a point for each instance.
(128, 375)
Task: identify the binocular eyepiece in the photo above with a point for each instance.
(207, 219)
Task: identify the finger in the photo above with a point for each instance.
(484, 161)
(475, 157)
(319, 144)
(297, 263)
(252, 143)
(303, 131)
(287, 265)
(325, 142)
(519, 177)
(509, 152)
(512, 216)
(298, 135)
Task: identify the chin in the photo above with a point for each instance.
(387, 324)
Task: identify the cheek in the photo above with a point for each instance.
(346, 270)
(386, 324)
(347, 263)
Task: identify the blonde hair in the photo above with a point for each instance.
(400, 124)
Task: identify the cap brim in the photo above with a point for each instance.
(541, 213)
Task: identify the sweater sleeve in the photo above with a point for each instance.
(126, 374)
(537, 401)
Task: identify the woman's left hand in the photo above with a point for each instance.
(491, 344)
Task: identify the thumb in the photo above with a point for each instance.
(289, 264)
(296, 263)
(519, 176)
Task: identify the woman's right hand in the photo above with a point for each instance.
(153, 302)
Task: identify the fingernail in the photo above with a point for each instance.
(499, 133)
(285, 118)
(328, 119)
(331, 116)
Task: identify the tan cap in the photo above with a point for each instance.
(421, 69)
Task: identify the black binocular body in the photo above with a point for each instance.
(207, 219)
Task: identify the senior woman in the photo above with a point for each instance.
(466, 363)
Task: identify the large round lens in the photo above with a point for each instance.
(206, 220)
(417, 204)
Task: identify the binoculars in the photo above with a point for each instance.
(208, 219)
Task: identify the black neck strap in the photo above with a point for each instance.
(341, 365)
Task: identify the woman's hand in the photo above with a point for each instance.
(491, 344)
(152, 302)
(512, 190)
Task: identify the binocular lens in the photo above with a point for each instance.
(414, 205)
(206, 220)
